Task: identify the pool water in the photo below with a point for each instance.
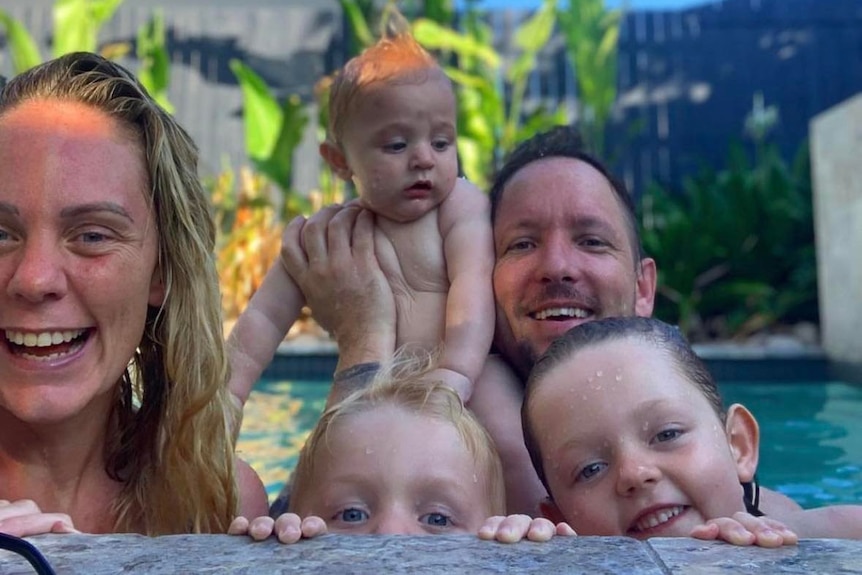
(810, 438)
(810, 434)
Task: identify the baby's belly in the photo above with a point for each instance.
(421, 319)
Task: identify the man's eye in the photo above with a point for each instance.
(92, 237)
(591, 470)
(593, 242)
(520, 245)
(352, 515)
(436, 520)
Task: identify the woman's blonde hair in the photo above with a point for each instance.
(404, 384)
(169, 439)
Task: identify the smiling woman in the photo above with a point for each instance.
(106, 245)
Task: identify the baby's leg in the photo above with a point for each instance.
(496, 402)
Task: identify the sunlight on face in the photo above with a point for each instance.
(390, 471)
(630, 447)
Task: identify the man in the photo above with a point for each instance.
(567, 248)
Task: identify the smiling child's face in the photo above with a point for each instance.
(636, 449)
(391, 471)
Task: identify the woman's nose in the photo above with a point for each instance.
(37, 271)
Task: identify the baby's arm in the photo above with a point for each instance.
(514, 528)
(288, 528)
(744, 529)
(261, 327)
(469, 250)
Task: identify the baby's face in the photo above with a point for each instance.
(630, 447)
(389, 471)
(399, 142)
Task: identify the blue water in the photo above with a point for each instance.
(810, 434)
(810, 438)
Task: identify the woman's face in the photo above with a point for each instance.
(78, 253)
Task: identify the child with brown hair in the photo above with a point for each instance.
(626, 429)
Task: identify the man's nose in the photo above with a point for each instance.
(560, 260)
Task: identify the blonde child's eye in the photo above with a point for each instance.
(352, 515)
(436, 520)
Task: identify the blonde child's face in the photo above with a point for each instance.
(630, 447)
(391, 471)
(399, 145)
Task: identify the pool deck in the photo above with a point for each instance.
(97, 555)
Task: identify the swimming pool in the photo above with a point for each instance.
(810, 447)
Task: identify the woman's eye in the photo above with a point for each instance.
(436, 520)
(591, 470)
(352, 515)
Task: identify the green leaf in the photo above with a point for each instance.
(433, 36)
(25, 53)
(77, 23)
(154, 72)
(262, 114)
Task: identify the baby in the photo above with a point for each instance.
(626, 429)
(401, 456)
(392, 129)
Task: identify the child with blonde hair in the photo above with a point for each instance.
(401, 456)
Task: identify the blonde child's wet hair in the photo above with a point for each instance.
(395, 57)
(402, 384)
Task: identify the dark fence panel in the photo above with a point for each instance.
(686, 78)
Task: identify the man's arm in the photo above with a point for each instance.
(331, 258)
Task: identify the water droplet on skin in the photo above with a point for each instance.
(618, 377)
(368, 451)
(475, 478)
(599, 373)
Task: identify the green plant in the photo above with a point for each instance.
(76, 28)
(490, 123)
(591, 33)
(735, 248)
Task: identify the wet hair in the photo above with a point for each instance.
(564, 142)
(654, 332)
(170, 440)
(395, 57)
(403, 384)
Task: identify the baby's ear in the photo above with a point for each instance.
(336, 160)
(550, 511)
(743, 436)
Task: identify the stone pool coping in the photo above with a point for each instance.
(451, 554)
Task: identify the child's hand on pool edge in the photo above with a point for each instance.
(745, 529)
(288, 527)
(514, 528)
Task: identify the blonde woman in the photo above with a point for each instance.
(114, 411)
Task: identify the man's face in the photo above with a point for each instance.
(564, 257)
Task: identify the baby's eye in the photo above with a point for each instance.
(395, 147)
(436, 520)
(352, 515)
(591, 470)
(440, 145)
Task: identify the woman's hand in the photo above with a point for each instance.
(514, 528)
(288, 528)
(745, 529)
(23, 518)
